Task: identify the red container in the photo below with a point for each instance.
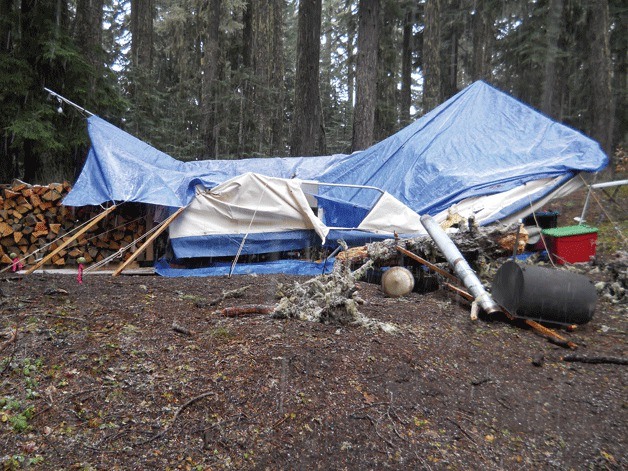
(571, 244)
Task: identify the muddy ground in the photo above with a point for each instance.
(140, 372)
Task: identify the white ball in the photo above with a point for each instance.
(397, 281)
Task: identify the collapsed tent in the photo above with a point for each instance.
(252, 214)
(481, 153)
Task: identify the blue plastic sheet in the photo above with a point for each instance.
(289, 267)
(229, 244)
(479, 142)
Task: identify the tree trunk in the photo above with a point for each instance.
(277, 82)
(211, 56)
(7, 13)
(431, 56)
(600, 73)
(351, 41)
(406, 67)
(142, 13)
(32, 162)
(619, 53)
(451, 39)
(366, 74)
(482, 41)
(247, 108)
(549, 80)
(88, 36)
(326, 86)
(6, 25)
(7, 158)
(388, 67)
(247, 35)
(307, 104)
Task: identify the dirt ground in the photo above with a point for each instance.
(140, 372)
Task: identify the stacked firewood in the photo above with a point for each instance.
(33, 223)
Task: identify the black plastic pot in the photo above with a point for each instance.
(544, 294)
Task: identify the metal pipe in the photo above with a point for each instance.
(609, 184)
(595, 186)
(460, 265)
(65, 100)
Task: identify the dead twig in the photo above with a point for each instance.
(247, 310)
(234, 293)
(280, 421)
(596, 359)
(67, 398)
(181, 330)
(374, 424)
(176, 416)
(466, 434)
(503, 403)
(369, 406)
(12, 339)
(80, 319)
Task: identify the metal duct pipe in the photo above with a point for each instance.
(459, 264)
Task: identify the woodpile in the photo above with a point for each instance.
(33, 223)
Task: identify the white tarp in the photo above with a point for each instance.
(249, 203)
(485, 208)
(391, 215)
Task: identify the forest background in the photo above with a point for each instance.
(207, 79)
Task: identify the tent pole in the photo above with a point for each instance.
(65, 100)
(71, 239)
(164, 225)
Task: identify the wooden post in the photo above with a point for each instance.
(431, 266)
(149, 253)
(70, 240)
(461, 292)
(155, 234)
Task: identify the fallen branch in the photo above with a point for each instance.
(596, 359)
(329, 299)
(550, 334)
(176, 416)
(247, 310)
(70, 318)
(429, 265)
(459, 291)
(180, 329)
(12, 339)
(374, 424)
(234, 293)
(466, 434)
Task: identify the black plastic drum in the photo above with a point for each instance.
(544, 294)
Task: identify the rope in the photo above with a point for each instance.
(237, 256)
(121, 250)
(615, 225)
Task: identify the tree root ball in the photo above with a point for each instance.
(397, 281)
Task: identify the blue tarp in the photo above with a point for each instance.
(229, 244)
(479, 142)
(291, 267)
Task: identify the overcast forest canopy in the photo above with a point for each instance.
(222, 79)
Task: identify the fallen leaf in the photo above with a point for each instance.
(369, 398)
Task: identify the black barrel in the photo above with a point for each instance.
(544, 294)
